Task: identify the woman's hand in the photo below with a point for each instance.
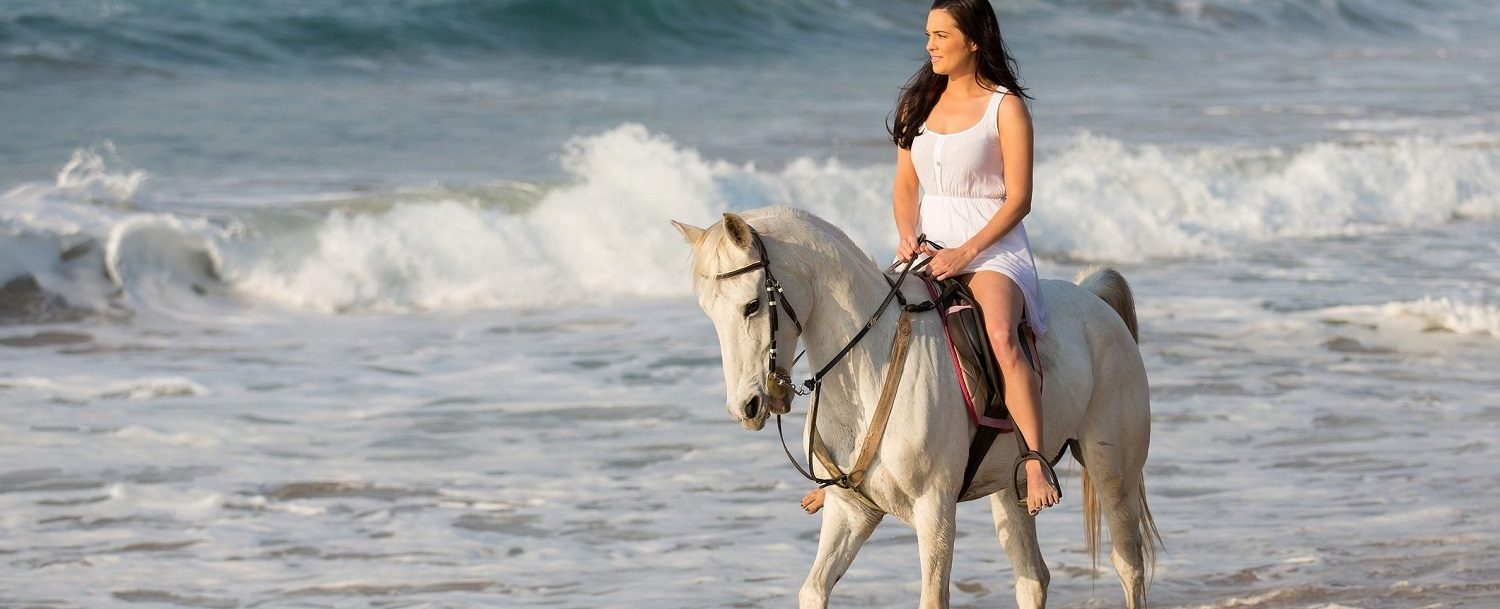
(908, 248)
(950, 261)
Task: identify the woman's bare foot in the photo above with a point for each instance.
(1040, 494)
(813, 501)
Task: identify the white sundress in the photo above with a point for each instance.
(963, 185)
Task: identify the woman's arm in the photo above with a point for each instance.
(904, 203)
(1016, 149)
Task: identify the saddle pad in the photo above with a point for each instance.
(969, 346)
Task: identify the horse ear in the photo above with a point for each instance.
(738, 229)
(692, 233)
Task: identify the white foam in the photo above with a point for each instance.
(40, 221)
(1451, 315)
(1276, 596)
(93, 174)
(162, 260)
(605, 234)
(1101, 199)
(133, 500)
(1426, 314)
(80, 388)
(426, 256)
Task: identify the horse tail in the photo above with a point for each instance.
(1110, 286)
(1093, 520)
(1150, 537)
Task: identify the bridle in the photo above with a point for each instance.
(776, 300)
(780, 377)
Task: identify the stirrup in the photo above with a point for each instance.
(1047, 472)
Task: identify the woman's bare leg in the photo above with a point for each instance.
(1001, 302)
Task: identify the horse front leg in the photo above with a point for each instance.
(934, 522)
(846, 526)
(1017, 531)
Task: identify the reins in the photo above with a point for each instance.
(775, 298)
(814, 385)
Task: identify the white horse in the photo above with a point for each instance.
(1096, 400)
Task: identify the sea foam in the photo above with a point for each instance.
(603, 233)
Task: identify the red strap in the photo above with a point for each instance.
(1004, 425)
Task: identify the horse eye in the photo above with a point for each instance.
(751, 307)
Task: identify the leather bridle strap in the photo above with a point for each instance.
(894, 366)
(775, 299)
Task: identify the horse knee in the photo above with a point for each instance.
(812, 597)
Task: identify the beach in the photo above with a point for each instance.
(314, 305)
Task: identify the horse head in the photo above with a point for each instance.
(745, 281)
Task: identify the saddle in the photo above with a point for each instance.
(978, 373)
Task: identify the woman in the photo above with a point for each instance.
(963, 135)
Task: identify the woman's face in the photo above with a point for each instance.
(948, 48)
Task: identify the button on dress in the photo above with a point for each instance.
(963, 184)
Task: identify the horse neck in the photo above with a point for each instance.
(849, 291)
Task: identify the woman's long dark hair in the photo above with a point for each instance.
(976, 19)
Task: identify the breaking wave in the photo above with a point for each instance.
(1450, 315)
(603, 234)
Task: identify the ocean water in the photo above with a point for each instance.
(352, 304)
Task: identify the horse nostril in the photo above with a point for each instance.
(752, 407)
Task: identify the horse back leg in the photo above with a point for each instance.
(845, 529)
(1113, 492)
(1017, 531)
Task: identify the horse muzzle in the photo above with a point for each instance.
(754, 411)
